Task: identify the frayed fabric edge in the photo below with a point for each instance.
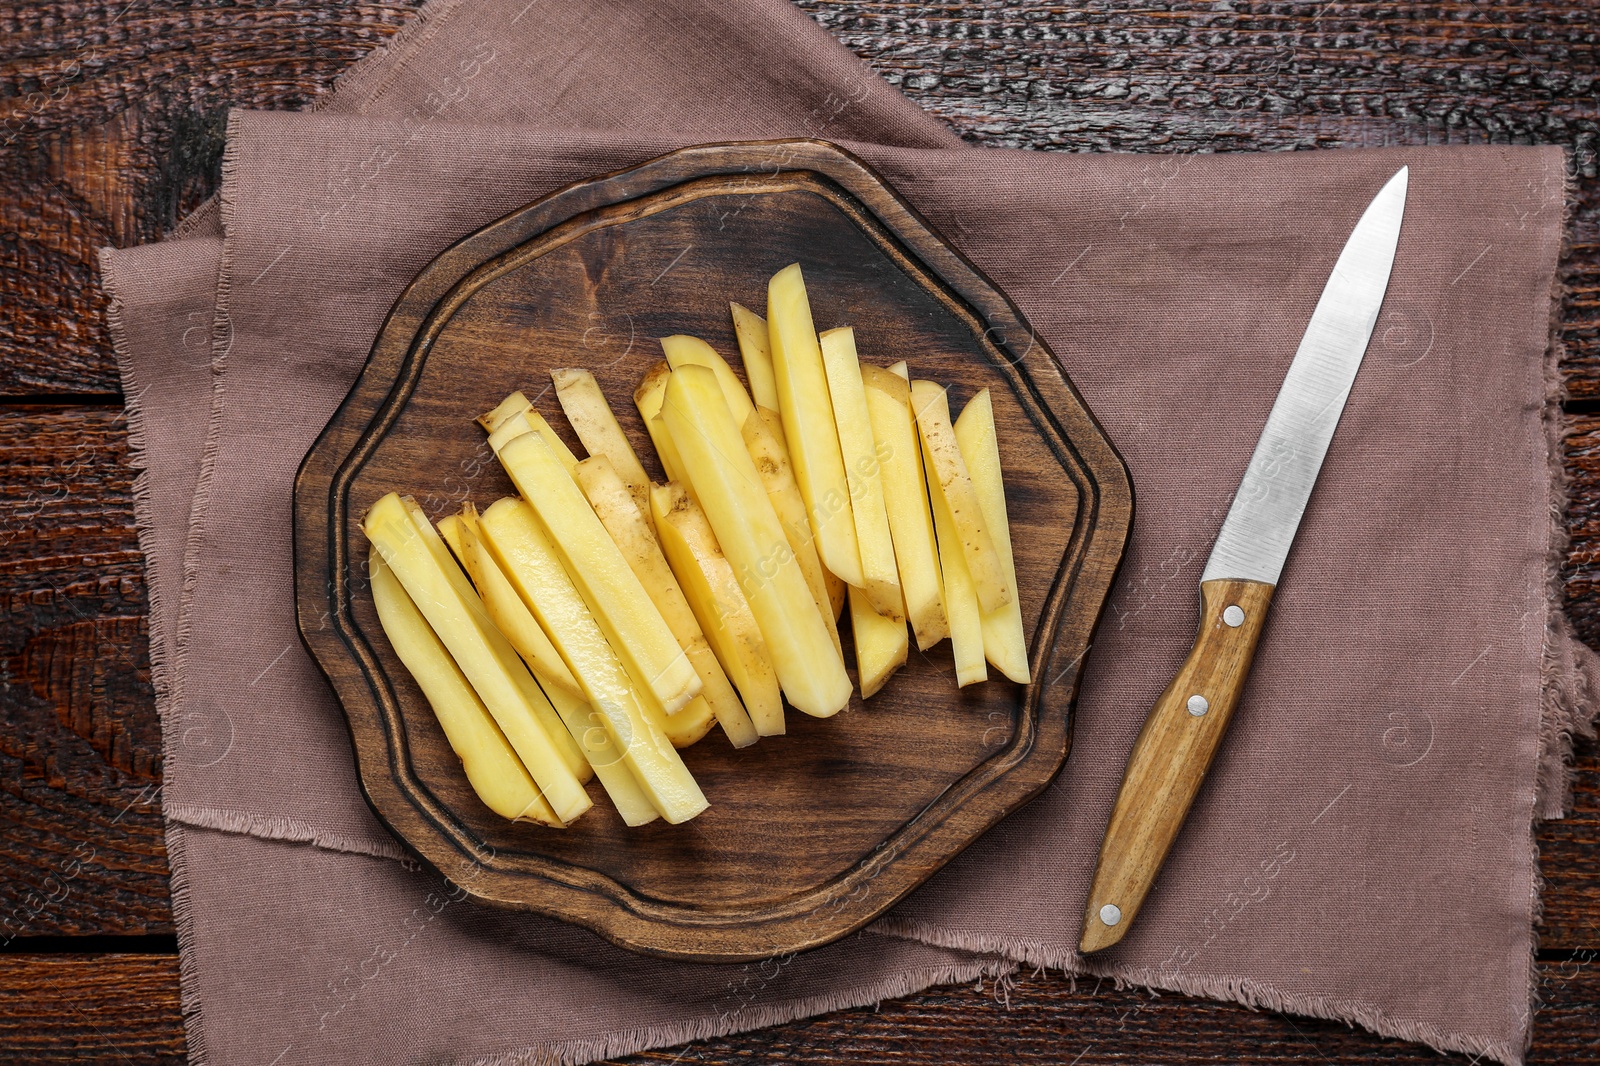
(194, 1033)
(143, 519)
(289, 830)
(610, 1045)
(1569, 668)
(1239, 990)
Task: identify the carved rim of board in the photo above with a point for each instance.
(326, 533)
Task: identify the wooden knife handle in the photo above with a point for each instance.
(1172, 754)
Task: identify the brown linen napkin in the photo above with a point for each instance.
(359, 944)
(1149, 258)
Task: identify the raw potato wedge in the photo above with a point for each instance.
(518, 543)
(596, 426)
(647, 398)
(1003, 642)
(730, 491)
(501, 601)
(531, 421)
(588, 728)
(881, 643)
(756, 351)
(862, 466)
(713, 592)
(619, 603)
(808, 423)
(942, 459)
(457, 617)
(835, 592)
(535, 696)
(960, 595)
(492, 767)
(905, 497)
(631, 530)
(692, 351)
(763, 439)
(515, 404)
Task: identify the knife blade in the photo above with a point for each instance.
(1184, 729)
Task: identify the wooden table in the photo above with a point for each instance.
(111, 124)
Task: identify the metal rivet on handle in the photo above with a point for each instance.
(1198, 705)
(1111, 914)
(1233, 615)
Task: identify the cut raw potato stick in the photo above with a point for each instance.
(692, 351)
(613, 504)
(1003, 642)
(492, 767)
(501, 601)
(763, 439)
(881, 643)
(588, 728)
(596, 426)
(531, 421)
(945, 467)
(647, 398)
(516, 539)
(713, 592)
(515, 404)
(726, 484)
(619, 603)
(905, 497)
(862, 466)
(835, 589)
(960, 595)
(531, 691)
(808, 424)
(756, 351)
(478, 648)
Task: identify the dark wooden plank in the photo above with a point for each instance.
(80, 748)
(123, 1009)
(111, 128)
(120, 1009)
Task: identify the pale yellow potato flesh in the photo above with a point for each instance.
(683, 350)
(518, 543)
(647, 398)
(542, 710)
(492, 767)
(531, 421)
(713, 592)
(810, 669)
(863, 464)
(835, 592)
(960, 595)
(941, 456)
(614, 505)
(1004, 644)
(905, 497)
(618, 601)
(515, 404)
(457, 617)
(501, 601)
(756, 351)
(596, 425)
(808, 423)
(881, 643)
(763, 439)
(588, 728)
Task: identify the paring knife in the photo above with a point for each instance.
(1181, 735)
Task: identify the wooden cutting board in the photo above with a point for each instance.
(810, 835)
